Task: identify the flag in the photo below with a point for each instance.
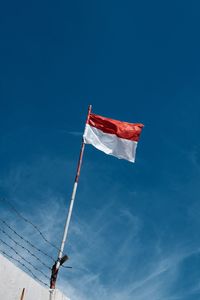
(113, 137)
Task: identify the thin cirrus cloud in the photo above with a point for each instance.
(113, 253)
(73, 133)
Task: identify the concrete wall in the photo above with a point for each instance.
(13, 280)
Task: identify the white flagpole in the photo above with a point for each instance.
(57, 264)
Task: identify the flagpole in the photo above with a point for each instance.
(61, 259)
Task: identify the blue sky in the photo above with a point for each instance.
(135, 227)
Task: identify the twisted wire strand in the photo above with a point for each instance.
(41, 234)
(29, 222)
(25, 240)
(23, 265)
(24, 248)
(28, 262)
(29, 243)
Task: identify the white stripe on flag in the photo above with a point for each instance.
(110, 143)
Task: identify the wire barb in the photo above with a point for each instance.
(23, 265)
(22, 238)
(28, 242)
(28, 262)
(29, 222)
(24, 248)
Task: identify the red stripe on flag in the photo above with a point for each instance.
(129, 131)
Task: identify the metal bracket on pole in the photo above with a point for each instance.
(54, 271)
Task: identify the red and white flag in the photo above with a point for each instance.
(113, 137)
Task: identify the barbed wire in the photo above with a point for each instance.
(23, 265)
(24, 248)
(25, 240)
(28, 242)
(29, 222)
(28, 262)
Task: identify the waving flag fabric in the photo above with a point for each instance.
(113, 137)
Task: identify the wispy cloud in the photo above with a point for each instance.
(108, 244)
(73, 133)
